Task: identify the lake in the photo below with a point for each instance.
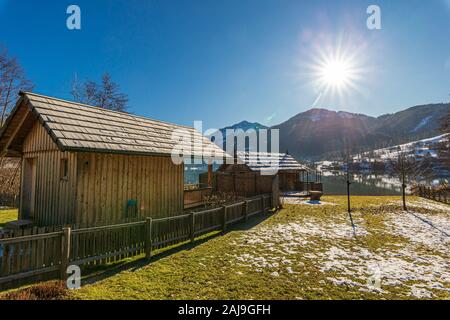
(335, 184)
(369, 184)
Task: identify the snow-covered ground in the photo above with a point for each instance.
(415, 260)
(420, 148)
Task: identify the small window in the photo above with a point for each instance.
(64, 169)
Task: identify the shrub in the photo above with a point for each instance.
(55, 290)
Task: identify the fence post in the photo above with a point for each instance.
(246, 210)
(148, 238)
(65, 252)
(263, 209)
(224, 219)
(192, 226)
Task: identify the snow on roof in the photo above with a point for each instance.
(260, 161)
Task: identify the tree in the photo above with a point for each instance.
(443, 146)
(12, 81)
(405, 168)
(105, 94)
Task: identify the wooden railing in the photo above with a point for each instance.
(34, 257)
(441, 194)
(195, 197)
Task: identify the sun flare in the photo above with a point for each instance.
(336, 73)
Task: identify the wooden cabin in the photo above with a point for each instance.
(252, 172)
(86, 165)
(239, 179)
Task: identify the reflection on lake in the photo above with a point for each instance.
(369, 184)
(334, 183)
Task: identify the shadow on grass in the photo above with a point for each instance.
(95, 274)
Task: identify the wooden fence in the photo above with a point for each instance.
(9, 200)
(195, 197)
(35, 256)
(241, 183)
(441, 194)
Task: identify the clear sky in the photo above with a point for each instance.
(223, 61)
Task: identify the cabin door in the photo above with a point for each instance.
(29, 188)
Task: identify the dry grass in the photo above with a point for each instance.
(54, 290)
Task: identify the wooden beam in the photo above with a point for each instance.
(210, 173)
(16, 130)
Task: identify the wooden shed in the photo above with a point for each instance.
(253, 172)
(87, 165)
(290, 172)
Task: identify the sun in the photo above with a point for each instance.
(336, 73)
(337, 70)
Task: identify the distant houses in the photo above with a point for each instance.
(253, 173)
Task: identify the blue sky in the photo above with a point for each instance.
(222, 61)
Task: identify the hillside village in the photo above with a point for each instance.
(429, 154)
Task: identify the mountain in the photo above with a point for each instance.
(319, 134)
(245, 126)
(319, 131)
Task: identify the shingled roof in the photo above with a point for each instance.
(78, 127)
(263, 161)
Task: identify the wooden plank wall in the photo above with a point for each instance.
(54, 198)
(99, 185)
(245, 184)
(107, 181)
(288, 180)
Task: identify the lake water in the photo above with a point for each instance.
(335, 184)
(377, 185)
(192, 176)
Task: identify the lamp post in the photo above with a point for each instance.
(348, 184)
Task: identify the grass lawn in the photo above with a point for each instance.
(304, 251)
(8, 215)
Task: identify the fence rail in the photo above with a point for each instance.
(31, 256)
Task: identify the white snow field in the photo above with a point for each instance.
(387, 252)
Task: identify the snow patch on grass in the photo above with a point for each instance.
(301, 201)
(432, 231)
(334, 250)
(426, 204)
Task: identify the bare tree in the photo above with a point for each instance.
(105, 94)
(405, 168)
(443, 146)
(12, 81)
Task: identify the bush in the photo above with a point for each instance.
(55, 290)
(221, 198)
